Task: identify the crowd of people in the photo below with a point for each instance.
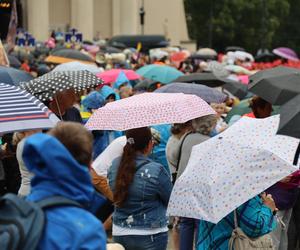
(121, 181)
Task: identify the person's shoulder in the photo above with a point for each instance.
(197, 138)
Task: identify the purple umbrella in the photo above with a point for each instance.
(286, 53)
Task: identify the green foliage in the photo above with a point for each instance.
(251, 24)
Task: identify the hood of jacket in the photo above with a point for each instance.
(106, 91)
(55, 171)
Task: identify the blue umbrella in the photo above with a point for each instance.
(159, 73)
(206, 93)
(13, 76)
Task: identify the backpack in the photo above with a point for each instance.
(22, 222)
(240, 241)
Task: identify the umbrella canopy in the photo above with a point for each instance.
(206, 93)
(110, 76)
(276, 85)
(148, 109)
(76, 66)
(145, 84)
(208, 79)
(207, 52)
(68, 55)
(21, 111)
(286, 53)
(217, 68)
(159, 73)
(13, 76)
(180, 56)
(238, 69)
(45, 87)
(236, 88)
(290, 118)
(234, 48)
(255, 158)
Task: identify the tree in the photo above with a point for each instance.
(221, 23)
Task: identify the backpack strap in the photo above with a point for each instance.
(179, 157)
(56, 201)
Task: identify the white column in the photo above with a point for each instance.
(38, 18)
(82, 17)
(116, 17)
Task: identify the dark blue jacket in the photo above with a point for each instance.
(148, 197)
(58, 173)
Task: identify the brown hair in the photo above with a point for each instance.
(258, 103)
(177, 128)
(137, 141)
(77, 139)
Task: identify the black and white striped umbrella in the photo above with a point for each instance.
(21, 111)
(45, 87)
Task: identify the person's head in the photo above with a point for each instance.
(125, 91)
(260, 107)
(220, 108)
(178, 129)
(111, 98)
(93, 101)
(77, 139)
(139, 141)
(205, 124)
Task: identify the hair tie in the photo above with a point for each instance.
(130, 141)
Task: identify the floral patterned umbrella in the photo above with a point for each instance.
(231, 168)
(148, 109)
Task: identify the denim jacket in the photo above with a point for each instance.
(149, 193)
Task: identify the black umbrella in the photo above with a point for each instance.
(264, 55)
(46, 86)
(277, 85)
(209, 79)
(146, 84)
(236, 88)
(73, 54)
(234, 48)
(290, 120)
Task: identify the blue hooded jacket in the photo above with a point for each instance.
(106, 91)
(56, 172)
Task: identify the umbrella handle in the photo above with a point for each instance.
(60, 115)
(296, 157)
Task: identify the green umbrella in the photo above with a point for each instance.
(243, 108)
(159, 73)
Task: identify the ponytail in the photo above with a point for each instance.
(137, 141)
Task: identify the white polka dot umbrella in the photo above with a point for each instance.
(231, 168)
(148, 109)
(45, 87)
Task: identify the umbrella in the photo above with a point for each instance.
(290, 118)
(45, 87)
(75, 66)
(217, 68)
(234, 48)
(159, 73)
(21, 111)
(286, 53)
(14, 62)
(110, 76)
(264, 55)
(236, 88)
(276, 85)
(13, 76)
(68, 55)
(145, 84)
(255, 158)
(207, 52)
(180, 56)
(148, 109)
(208, 79)
(206, 93)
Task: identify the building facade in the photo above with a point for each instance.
(106, 18)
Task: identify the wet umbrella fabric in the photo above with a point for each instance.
(14, 62)
(21, 111)
(159, 73)
(68, 55)
(13, 76)
(77, 66)
(148, 109)
(255, 157)
(110, 76)
(207, 94)
(45, 87)
(208, 79)
(236, 88)
(286, 53)
(277, 85)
